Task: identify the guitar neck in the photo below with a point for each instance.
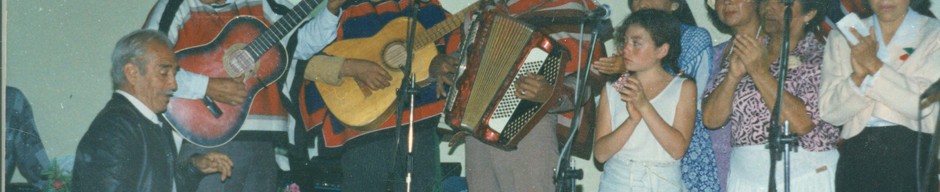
(444, 27)
(280, 28)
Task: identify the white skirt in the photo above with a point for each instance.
(638, 176)
(809, 170)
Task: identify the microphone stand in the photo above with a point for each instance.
(411, 139)
(408, 90)
(565, 173)
(930, 97)
(924, 178)
(777, 143)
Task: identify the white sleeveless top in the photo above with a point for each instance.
(642, 146)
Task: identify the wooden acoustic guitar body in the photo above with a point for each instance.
(362, 109)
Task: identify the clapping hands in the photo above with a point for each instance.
(751, 57)
(864, 59)
(634, 95)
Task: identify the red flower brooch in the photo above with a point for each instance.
(909, 50)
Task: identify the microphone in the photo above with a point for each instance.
(602, 12)
(600, 17)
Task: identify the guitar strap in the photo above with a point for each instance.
(289, 49)
(168, 14)
(302, 138)
(291, 101)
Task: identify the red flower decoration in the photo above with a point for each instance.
(909, 50)
(58, 185)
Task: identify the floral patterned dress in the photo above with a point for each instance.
(699, 168)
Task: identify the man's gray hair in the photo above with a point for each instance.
(131, 49)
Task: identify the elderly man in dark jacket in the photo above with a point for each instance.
(127, 147)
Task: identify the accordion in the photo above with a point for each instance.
(482, 100)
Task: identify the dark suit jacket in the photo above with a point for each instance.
(124, 151)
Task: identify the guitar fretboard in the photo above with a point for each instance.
(280, 28)
(444, 27)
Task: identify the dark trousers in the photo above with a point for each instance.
(883, 159)
(254, 165)
(372, 162)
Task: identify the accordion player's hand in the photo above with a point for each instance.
(443, 68)
(533, 87)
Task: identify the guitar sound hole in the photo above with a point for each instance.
(237, 61)
(394, 55)
(243, 61)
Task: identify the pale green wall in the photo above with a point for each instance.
(59, 54)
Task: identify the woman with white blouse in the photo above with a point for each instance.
(872, 90)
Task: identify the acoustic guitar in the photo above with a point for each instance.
(361, 109)
(246, 49)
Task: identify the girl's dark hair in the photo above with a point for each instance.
(684, 13)
(663, 29)
(919, 6)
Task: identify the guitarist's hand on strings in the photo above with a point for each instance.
(366, 73)
(227, 90)
(443, 68)
(214, 162)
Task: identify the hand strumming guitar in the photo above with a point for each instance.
(366, 73)
(227, 90)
